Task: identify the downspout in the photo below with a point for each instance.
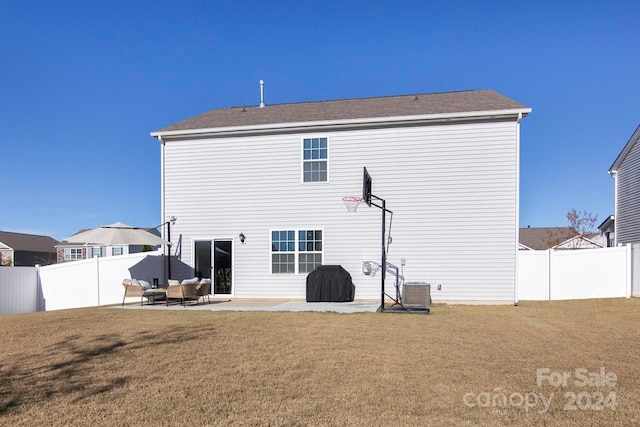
(517, 231)
(614, 174)
(162, 209)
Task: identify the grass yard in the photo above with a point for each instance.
(460, 365)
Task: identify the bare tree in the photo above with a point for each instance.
(582, 221)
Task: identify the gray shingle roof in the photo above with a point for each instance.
(345, 109)
(28, 242)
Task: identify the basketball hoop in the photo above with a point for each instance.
(352, 202)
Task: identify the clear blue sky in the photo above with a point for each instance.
(83, 84)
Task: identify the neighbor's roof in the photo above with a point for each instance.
(609, 222)
(541, 238)
(28, 242)
(350, 109)
(66, 243)
(627, 148)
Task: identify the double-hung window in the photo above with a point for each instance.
(71, 254)
(296, 251)
(116, 250)
(283, 251)
(315, 157)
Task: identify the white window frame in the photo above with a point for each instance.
(93, 252)
(296, 252)
(72, 254)
(114, 249)
(305, 161)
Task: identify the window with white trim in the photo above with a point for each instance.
(96, 252)
(314, 160)
(71, 254)
(117, 250)
(296, 251)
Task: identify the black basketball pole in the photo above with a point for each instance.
(384, 251)
(384, 254)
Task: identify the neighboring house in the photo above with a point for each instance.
(74, 251)
(626, 174)
(588, 241)
(19, 249)
(258, 193)
(543, 238)
(607, 228)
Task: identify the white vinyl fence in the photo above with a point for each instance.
(19, 290)
(576, 274)
(635, 270)
(96, 281)
(86, 283)
(542, 275)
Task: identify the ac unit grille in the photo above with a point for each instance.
(416, 294)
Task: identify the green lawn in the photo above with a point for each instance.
(456, 366)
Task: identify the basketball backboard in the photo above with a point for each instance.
(366, 187)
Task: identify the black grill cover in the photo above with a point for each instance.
(330, 283)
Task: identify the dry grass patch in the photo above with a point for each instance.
(142, 367)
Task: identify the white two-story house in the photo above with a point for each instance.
(626, 173)
(257, 193)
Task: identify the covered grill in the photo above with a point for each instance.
(330, 283)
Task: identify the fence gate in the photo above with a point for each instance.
(19, 290)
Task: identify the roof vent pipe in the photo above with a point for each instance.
(261, 94)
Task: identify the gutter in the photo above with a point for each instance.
(516, 284)
(346, 124)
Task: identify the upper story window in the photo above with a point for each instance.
(72, 254)
(314, 160)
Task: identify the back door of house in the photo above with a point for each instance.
(213, 259)
(222, 263)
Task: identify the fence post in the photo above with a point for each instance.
(98, 277)
(629, 267)
(549, 272)
(40, 297)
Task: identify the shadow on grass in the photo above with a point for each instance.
(66, 369)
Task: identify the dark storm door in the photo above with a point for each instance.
(222, 263)
(203, 259)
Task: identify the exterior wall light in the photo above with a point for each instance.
(242, 238)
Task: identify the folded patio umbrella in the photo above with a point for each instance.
(117, 234)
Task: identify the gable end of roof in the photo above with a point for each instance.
(627, 148)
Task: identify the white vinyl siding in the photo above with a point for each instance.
(452, 188)
(628, 198)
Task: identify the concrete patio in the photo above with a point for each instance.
(264, 305)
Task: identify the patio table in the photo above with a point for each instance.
(152, 294)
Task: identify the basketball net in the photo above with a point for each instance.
(352, 202)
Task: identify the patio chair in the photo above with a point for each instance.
(184, 292)
(204, 289)
(138, 288)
